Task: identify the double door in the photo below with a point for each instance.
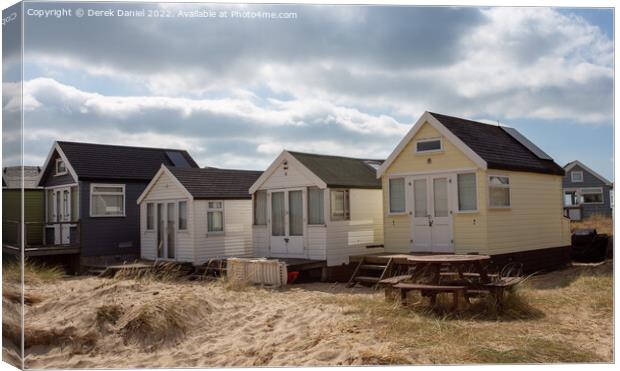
(166, 229)
(61, 215)
(431, 215)
(286, 221)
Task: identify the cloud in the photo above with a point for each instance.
(219, 132)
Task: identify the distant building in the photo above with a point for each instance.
(586, 192)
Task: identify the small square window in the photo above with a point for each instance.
(61, 168)
(576, 176)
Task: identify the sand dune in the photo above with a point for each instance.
(94, 322)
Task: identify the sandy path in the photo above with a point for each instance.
(224, 327)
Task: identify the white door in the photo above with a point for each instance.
(421, 216)
(287, 221)
(62, 215)
(431, 215)
(166, 230)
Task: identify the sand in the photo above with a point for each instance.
(94, 322)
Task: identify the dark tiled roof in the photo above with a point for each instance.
(498, 148)
(101, 161)
(211, 183)
(338, 171)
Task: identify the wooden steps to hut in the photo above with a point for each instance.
(370, 273)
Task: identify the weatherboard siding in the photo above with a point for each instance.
(260, 240)
(352, 237)
(469, 228)
(534, 221)
(535, 218)
(101, 236)
(293, 175)
(235, 241)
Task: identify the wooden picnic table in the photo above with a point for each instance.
(458, 263)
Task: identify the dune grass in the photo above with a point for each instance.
(602, 224)
(563, 316)
(33, 272)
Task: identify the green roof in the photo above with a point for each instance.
(345, 172)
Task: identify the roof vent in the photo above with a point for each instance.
(526, 143)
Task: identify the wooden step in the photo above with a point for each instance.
(374, 267)
(367, 279)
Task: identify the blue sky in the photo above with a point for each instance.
(346, 80)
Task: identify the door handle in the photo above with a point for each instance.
(286, 239)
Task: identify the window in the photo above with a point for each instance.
(182, 215)
(61, 168)
(260, 208)
(340, 205)
(150, 216)
(428, 145)
(576, 176)
(592, 195)
(397, 195)
(466, 186)
(315, 206)
(499, 191)
(571, 198)
(107, 200)
(215, 216)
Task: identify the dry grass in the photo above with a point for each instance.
(34, 273)
(562, 316)
(602, 224)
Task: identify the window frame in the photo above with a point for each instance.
(589, 191)
(178, 224)
(308, 205)
(508, 186)
(124, 193)
(476, 183)
(153, 225)
(346, 202)
(429, 140)
(572, 178)
(254, 200)
(56, 172)
(214, 209)
(389, 204)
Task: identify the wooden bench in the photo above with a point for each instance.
(388, 284)
(431, 291)
(505, 283)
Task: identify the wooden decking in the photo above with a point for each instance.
(383, 258)
(43, 250)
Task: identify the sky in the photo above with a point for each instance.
(343, 80)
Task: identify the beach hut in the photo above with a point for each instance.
(194, 215)
(459, 186)
(586, 192)
(317, 207)
(18, 181)
(90, 199)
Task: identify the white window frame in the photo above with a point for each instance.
(429, 140)
(592, 190)
(146, 212)
(308, 206)
(90, 211)
(390, 212)
(509, 186)
(56, 172)
(254, 199)
(347, 205)
(572, 177)
(211, 209)
(178, 223)
(456, 181)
